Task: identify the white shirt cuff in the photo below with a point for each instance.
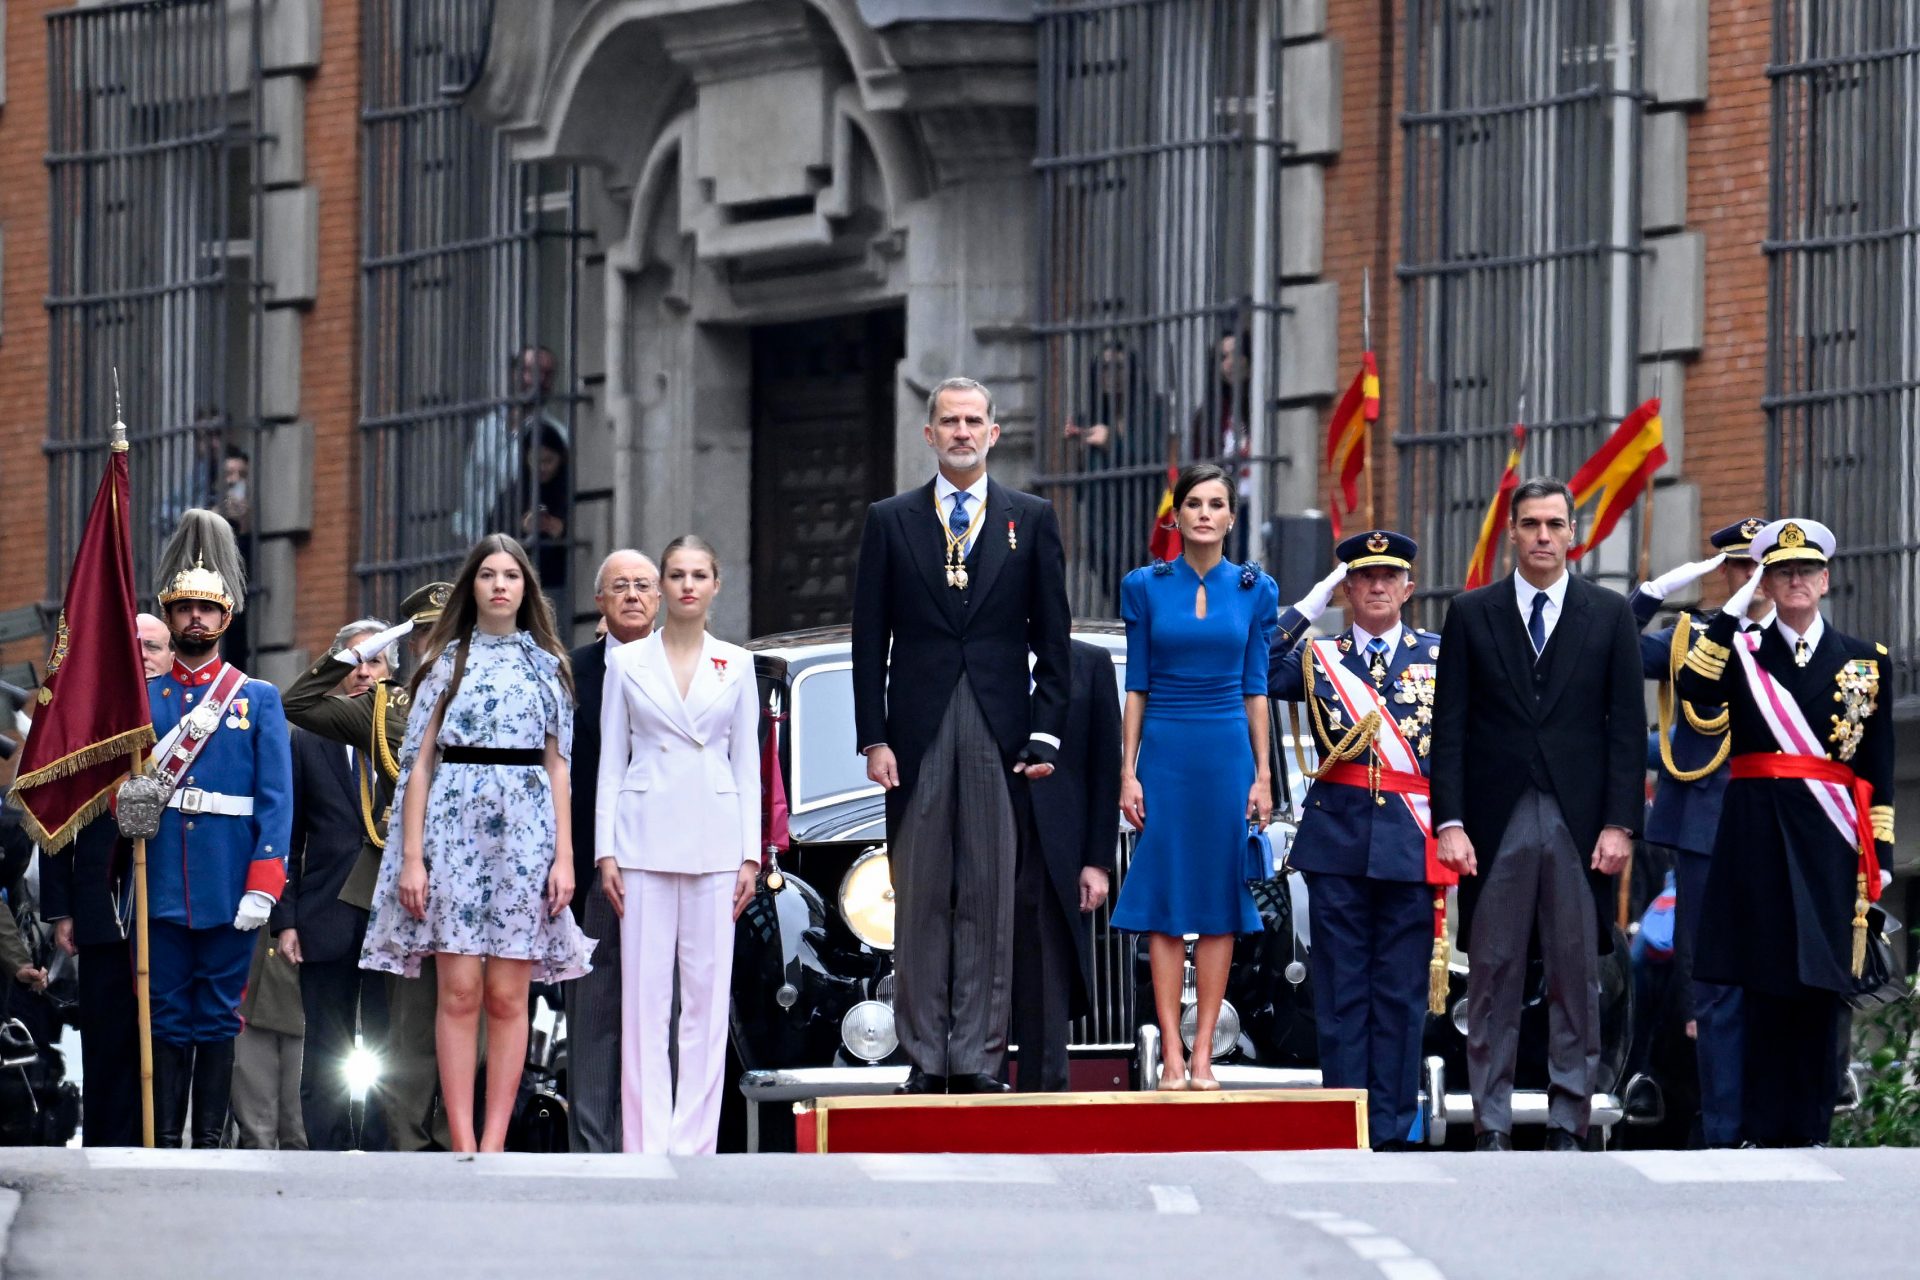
(1445, 825)
(1047, 738)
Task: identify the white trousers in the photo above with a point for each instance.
(686, 918)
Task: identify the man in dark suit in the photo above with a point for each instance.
(320, 933)
(958, 580)
(87, 894)
(1685, 814)
(627, 593)
(1064, 873)
(1539, 761)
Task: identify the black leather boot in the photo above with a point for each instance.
(172, 1074)
(212, 1084)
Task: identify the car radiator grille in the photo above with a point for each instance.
(1111, 1021)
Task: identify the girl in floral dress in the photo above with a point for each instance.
(485, 870)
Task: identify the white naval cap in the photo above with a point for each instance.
(1793, 538)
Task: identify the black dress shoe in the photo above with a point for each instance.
(978, 1082)
(1559, 1139)
(919, 1081)
(1492, 1140)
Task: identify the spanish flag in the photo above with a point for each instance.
(93, 713)
(1619, 472)
(1164, 544)
(1480, 567)
(1347, 436)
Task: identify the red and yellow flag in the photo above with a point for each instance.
(1164, 544)
(93, 711)
(1480, 567)
(1347, 437)
(1619, 472)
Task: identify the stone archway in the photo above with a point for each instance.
(769, 161)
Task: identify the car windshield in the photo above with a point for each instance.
(825, 765)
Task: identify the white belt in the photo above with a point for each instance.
(194, 800)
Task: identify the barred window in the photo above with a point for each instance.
(1518, 243)
(1843, 342)
(152, 244)
(1159, 168)
(469, 389)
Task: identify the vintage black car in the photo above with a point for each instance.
(812, 974)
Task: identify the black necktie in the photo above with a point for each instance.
(1537, 623)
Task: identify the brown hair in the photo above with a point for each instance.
(691, 542)
(1200, 473)
(457, 620)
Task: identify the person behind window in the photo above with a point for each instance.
(486, 865)
(677, 831)
(494, 455)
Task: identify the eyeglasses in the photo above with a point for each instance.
(620, 586)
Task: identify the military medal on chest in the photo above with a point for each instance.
(1859, 687)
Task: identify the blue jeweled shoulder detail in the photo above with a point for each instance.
(1249, 574)
(1161, 568)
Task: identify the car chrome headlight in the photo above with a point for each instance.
(868, 1031)
(866, 899)
(1226, 1031)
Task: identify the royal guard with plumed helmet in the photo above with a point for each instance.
(1377, 892)
(1805, 829)
(221, 775)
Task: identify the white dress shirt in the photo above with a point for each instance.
(1361, 636)
(943, 491)
(1815, 630)
(1556, 601)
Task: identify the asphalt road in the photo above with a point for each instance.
(76, 1215)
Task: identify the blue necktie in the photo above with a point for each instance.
(957, 522)
(1377, 659)
(1537, 623)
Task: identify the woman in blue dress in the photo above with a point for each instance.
(481, 809)
(1193, 758)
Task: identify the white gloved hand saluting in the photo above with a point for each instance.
(1315, 602)
(1673, 579)
(1738, 602)
(355, 654)
(255, 907)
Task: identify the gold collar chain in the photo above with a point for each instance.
(956, 559)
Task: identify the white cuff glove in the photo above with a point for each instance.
(351, 655)
(1673, 579)
(1315, 602)
(255, 907)
(1738, 602)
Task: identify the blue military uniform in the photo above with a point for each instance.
(202, 863)
(1364, 856)
(1684, 818)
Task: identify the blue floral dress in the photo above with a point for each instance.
(489, 837)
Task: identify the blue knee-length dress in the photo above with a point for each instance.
(1196, 761)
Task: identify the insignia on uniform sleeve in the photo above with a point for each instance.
(1433, 651)
(1346, 643)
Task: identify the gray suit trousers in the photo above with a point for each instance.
(1537, 883)
(593, 1036)
(953, 880)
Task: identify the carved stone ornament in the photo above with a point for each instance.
(143, 798)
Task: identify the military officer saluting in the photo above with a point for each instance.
(1376, 890)
(1805, 828)
(1685, 814)
(374, 725)
(218, 862)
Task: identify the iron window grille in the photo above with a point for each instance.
(153, 139)
(1843, 342)
(1519, 241)
(469, 260)
(1159, 231)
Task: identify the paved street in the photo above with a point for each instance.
(1346, 1216)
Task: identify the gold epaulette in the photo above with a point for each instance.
(1881, 816)
(1706, 726)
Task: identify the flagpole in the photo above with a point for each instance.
(1366, 344)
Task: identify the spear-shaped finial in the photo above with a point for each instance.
(1366, 309)
(119, 426)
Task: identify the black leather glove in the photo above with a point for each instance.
(1038, 752)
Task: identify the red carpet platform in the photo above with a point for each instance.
(1087, 1123)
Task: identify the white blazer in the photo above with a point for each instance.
(679, 781)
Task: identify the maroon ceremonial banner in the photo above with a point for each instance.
(93, 712)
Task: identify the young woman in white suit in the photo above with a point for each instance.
(677, 826)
